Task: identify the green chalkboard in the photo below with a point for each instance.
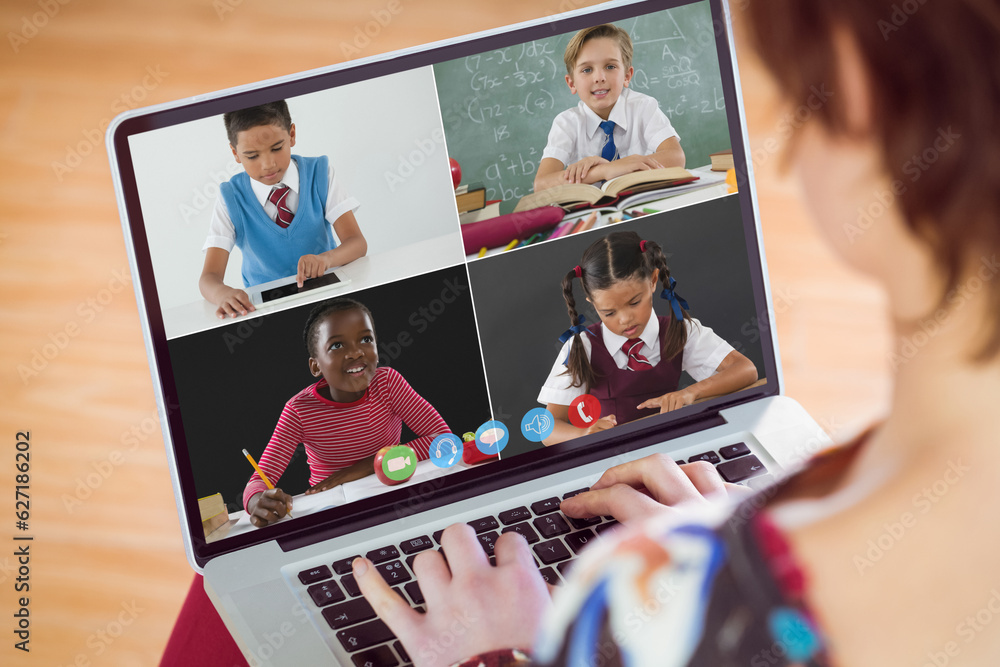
(498, 106)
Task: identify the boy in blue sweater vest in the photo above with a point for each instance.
(279, 212)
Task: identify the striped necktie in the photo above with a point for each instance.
(278, 196)
(636, 362)
(610, 152)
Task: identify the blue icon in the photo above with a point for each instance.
(445, 450)
(492, 437)
(537, 424)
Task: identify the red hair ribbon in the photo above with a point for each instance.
(578, 271)
(642, 246)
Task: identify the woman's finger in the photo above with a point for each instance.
(464, 551)
(620, 501)
(658, 473)
(404, 622)
(705, 478)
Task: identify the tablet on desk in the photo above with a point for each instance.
(287, 288)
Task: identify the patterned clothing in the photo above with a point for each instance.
(336, 435)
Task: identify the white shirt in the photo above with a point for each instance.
(640, 127)
(222, 233)
(703, 352)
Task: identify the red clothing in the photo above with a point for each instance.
(337, 435)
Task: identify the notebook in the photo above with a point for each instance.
(463, 341)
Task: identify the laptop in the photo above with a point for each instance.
(474, 330)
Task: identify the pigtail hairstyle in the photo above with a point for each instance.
(676, 338)
(578, 363)
(611, 259)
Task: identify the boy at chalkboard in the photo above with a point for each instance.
(613, 130)
(279, 212)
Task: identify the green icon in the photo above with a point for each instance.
(399, 463)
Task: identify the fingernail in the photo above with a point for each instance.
(360, 566)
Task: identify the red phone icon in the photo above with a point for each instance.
(584, 411)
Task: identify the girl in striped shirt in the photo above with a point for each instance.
(354, 410)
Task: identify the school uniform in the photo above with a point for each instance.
(245, 217)
(640, 127)
(619, 389)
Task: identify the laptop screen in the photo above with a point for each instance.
(461, 266)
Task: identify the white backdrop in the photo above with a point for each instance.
(385, 143)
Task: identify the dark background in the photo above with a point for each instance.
(521, 310)
(234, 381)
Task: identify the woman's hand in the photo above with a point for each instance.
(672, 401)
(471, 607)
(639, 489)
(602, 424)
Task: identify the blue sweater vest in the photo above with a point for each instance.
(270, 252)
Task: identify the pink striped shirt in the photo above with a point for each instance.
(336, 435)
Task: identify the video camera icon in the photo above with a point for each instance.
(537, 424)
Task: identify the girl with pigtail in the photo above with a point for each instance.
(631, 360)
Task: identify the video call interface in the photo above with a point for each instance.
(452, 342)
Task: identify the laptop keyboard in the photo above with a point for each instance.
(554, 538)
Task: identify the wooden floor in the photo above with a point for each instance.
(108, 573)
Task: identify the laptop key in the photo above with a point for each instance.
(364, 635)
(545, 506)
(577, 541)
(350, 585)
(413, 590)
(380, 656)
(401, 651)
(377, 556)
(564, 567)
(551, 525)
(515, 515)
(484, 524)
(525, 530)
(552, 551)
(550, 576)
(318, 573)
(605, 526)
(569, 495)
(437, 535)
(343, 566)
(394, 572)
(711, 457)
(326, 593)
(584, 523)
(732, 451)
(416, 544)
(741, 469)
(348, 613)
(488, 541)
(762, 482)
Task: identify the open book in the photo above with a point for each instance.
(573, 196)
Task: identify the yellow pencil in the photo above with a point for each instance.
(511, 245)
(482, 251)
(261, 473)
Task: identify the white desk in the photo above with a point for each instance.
(368, 271)
(366, 487)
